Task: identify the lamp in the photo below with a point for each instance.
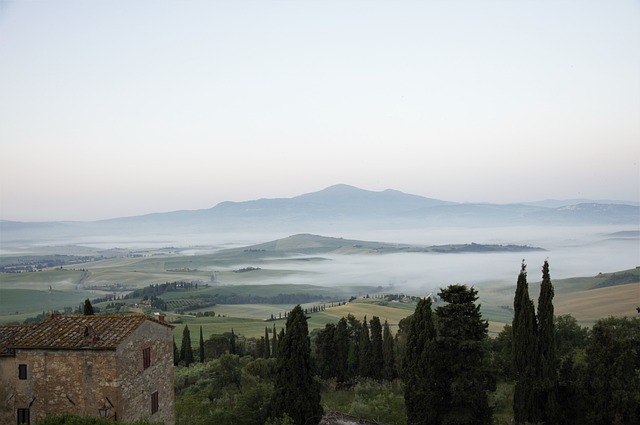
(104, 411)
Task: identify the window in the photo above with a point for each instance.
(22, 371)
(146, 357)
(23, 417)
(154, 402)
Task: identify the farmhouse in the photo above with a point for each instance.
(120, 367)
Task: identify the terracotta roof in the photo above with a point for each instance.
(8, 334)
(79, 332)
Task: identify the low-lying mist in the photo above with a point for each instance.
(573, 251)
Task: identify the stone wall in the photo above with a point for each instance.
(8, 373)
(60, 381)
(137, 384)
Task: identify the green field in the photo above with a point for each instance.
(119, 271)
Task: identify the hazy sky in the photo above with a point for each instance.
(115, 108)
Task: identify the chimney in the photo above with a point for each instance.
(161, 317)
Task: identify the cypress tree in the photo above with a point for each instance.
(364, 346)
(388, 353)
(233, 342)
(267, 344)
(341, 344)
(547, 360)
(186, 352)
(418, 367)
(274, 342)
(201, 346)
(376, 363)
(176, 353)
(88, 308)
(524, 352)
(296, 392)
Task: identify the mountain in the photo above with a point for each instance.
(336, 208)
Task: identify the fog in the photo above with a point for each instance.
(572, 251)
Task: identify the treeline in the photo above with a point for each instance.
(158, 289)
(440, 367)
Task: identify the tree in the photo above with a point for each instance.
(388, 354)
(274, 342)
(267, 344)
(88, 308)
(186, 352)
(201, 346)
(418, 369)
(296, 393)
(460, 366)
(524, 352)
(376, 362)
(364, 348)
(176, 353)
(233, 342)
(613, 362)
(341, 343)
(547, 379)
(570, 336)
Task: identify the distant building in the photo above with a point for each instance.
(116, 366)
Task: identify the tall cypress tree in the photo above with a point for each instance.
(377, 357)
(267, 344)
(341, 344)
(388, 353)
(186, 352)
(525, 353)
(364, 347)
(233, 343)
(418, 367)
(176, 353)
(274, 342)
(201, 346)
(296, 392)
(547, 360)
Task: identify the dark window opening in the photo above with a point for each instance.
(146, 358)
(154, 402)
(23, 417)
(22, 371)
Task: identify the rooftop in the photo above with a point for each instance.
(72, 332)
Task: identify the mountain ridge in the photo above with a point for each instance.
(338, 207)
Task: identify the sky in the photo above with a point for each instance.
(120, 108)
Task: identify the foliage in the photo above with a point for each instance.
(88, 308)
(296, 392)
(382, 402)
(186, 352)
(569, 335)
(389, 371)
(613, 362)
(376, 362)
(547, 364)
(460, 366)
(418, 369)
(524, 352)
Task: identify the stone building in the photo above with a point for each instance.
(115, 366)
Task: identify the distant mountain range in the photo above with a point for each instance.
(338, 207)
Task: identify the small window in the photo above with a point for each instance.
(146, 358)
(23, 417)
(22, 371)
(154, 402)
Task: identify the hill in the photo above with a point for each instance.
(338, 208)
